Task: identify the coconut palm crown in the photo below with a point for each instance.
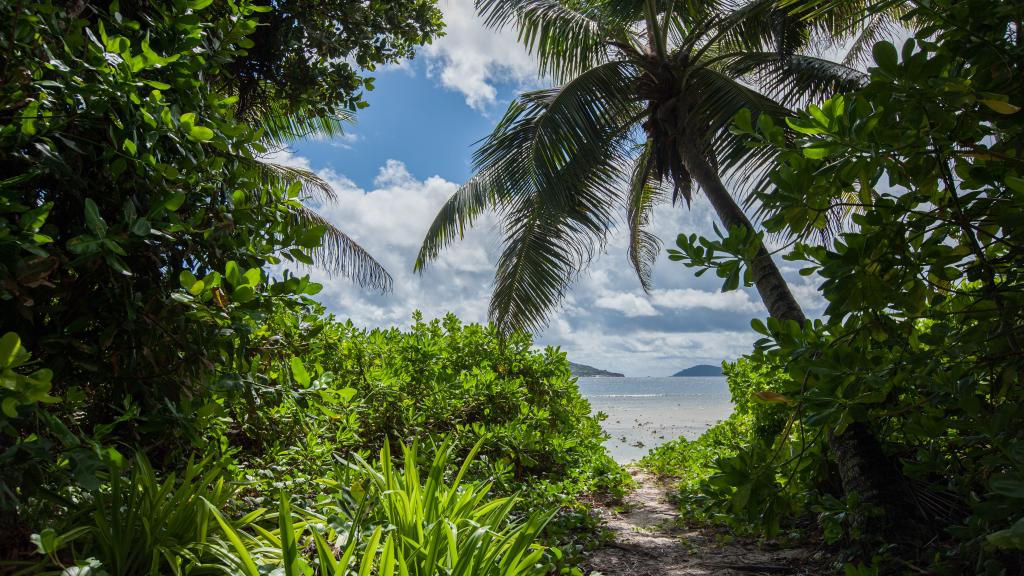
(647, 92)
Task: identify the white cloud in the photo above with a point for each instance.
(472, 59)
(689, 298)
(628, 304)
(345, 141)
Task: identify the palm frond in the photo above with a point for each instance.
(544, 254)
(747, 27)
(544, 129)
(644, 194)
(339, 254)
(795, 79)
(282, 125)
(531, 147)
(878, 27)
(313, 186)
(566, 41)
(455, 217)
(722, 97)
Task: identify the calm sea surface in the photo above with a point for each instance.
(645, 412)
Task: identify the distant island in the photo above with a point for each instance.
(584, 370)
(701, 370)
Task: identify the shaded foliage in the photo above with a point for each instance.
(920, 342)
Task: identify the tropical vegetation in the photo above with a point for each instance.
(897, 189)
(175, 400)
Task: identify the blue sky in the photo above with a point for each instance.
(412, 148)
(412, 117)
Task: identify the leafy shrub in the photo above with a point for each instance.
(332, 388)
(914, 369)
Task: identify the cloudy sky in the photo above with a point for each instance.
(410, 150)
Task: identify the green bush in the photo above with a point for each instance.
(329, 388)
(727, 475)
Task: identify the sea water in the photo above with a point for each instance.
(647, 412)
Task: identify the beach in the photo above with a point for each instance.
(646, 412)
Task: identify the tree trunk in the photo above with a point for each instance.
(772, 287)
(863, 466)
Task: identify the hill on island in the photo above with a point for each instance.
(584, 370)
(700, 370)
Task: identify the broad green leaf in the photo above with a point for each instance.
(174, 201)
(10, 407)
(93, 219)
(1001, 106)
(141, 227)
(232, 273)
(886, 56)
(299, 372)
(1011, 538)
(10, 344)
(201, 133)
(1016, 184)
(1006, 485)
(187, 279)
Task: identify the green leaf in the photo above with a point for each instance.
(815, 153)
(200, 133)
(886, 57)
(175, 201)
(1006, 485)
(45, 541)
(10, 407)
(130, 147)
(1016, 184)
(141, 227)
(187, 279)
(1012, 538)
(232, 273)
(243, 294)
(93, 219)
(289, 547)
(299, 372)
(1001, 106)
(10, 344)
(248, 566)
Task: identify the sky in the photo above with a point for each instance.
(412, 149)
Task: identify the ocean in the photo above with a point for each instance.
(646, 412)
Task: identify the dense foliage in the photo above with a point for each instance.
(920, 343)
(172, 399)
(353, 389)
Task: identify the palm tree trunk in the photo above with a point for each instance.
(863, 466)
(772, 287)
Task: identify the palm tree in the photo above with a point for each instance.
(648, 91)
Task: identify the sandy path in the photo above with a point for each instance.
(649, 542)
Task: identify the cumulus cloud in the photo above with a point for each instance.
(689, 298)
(626, 303)
(473, 59)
